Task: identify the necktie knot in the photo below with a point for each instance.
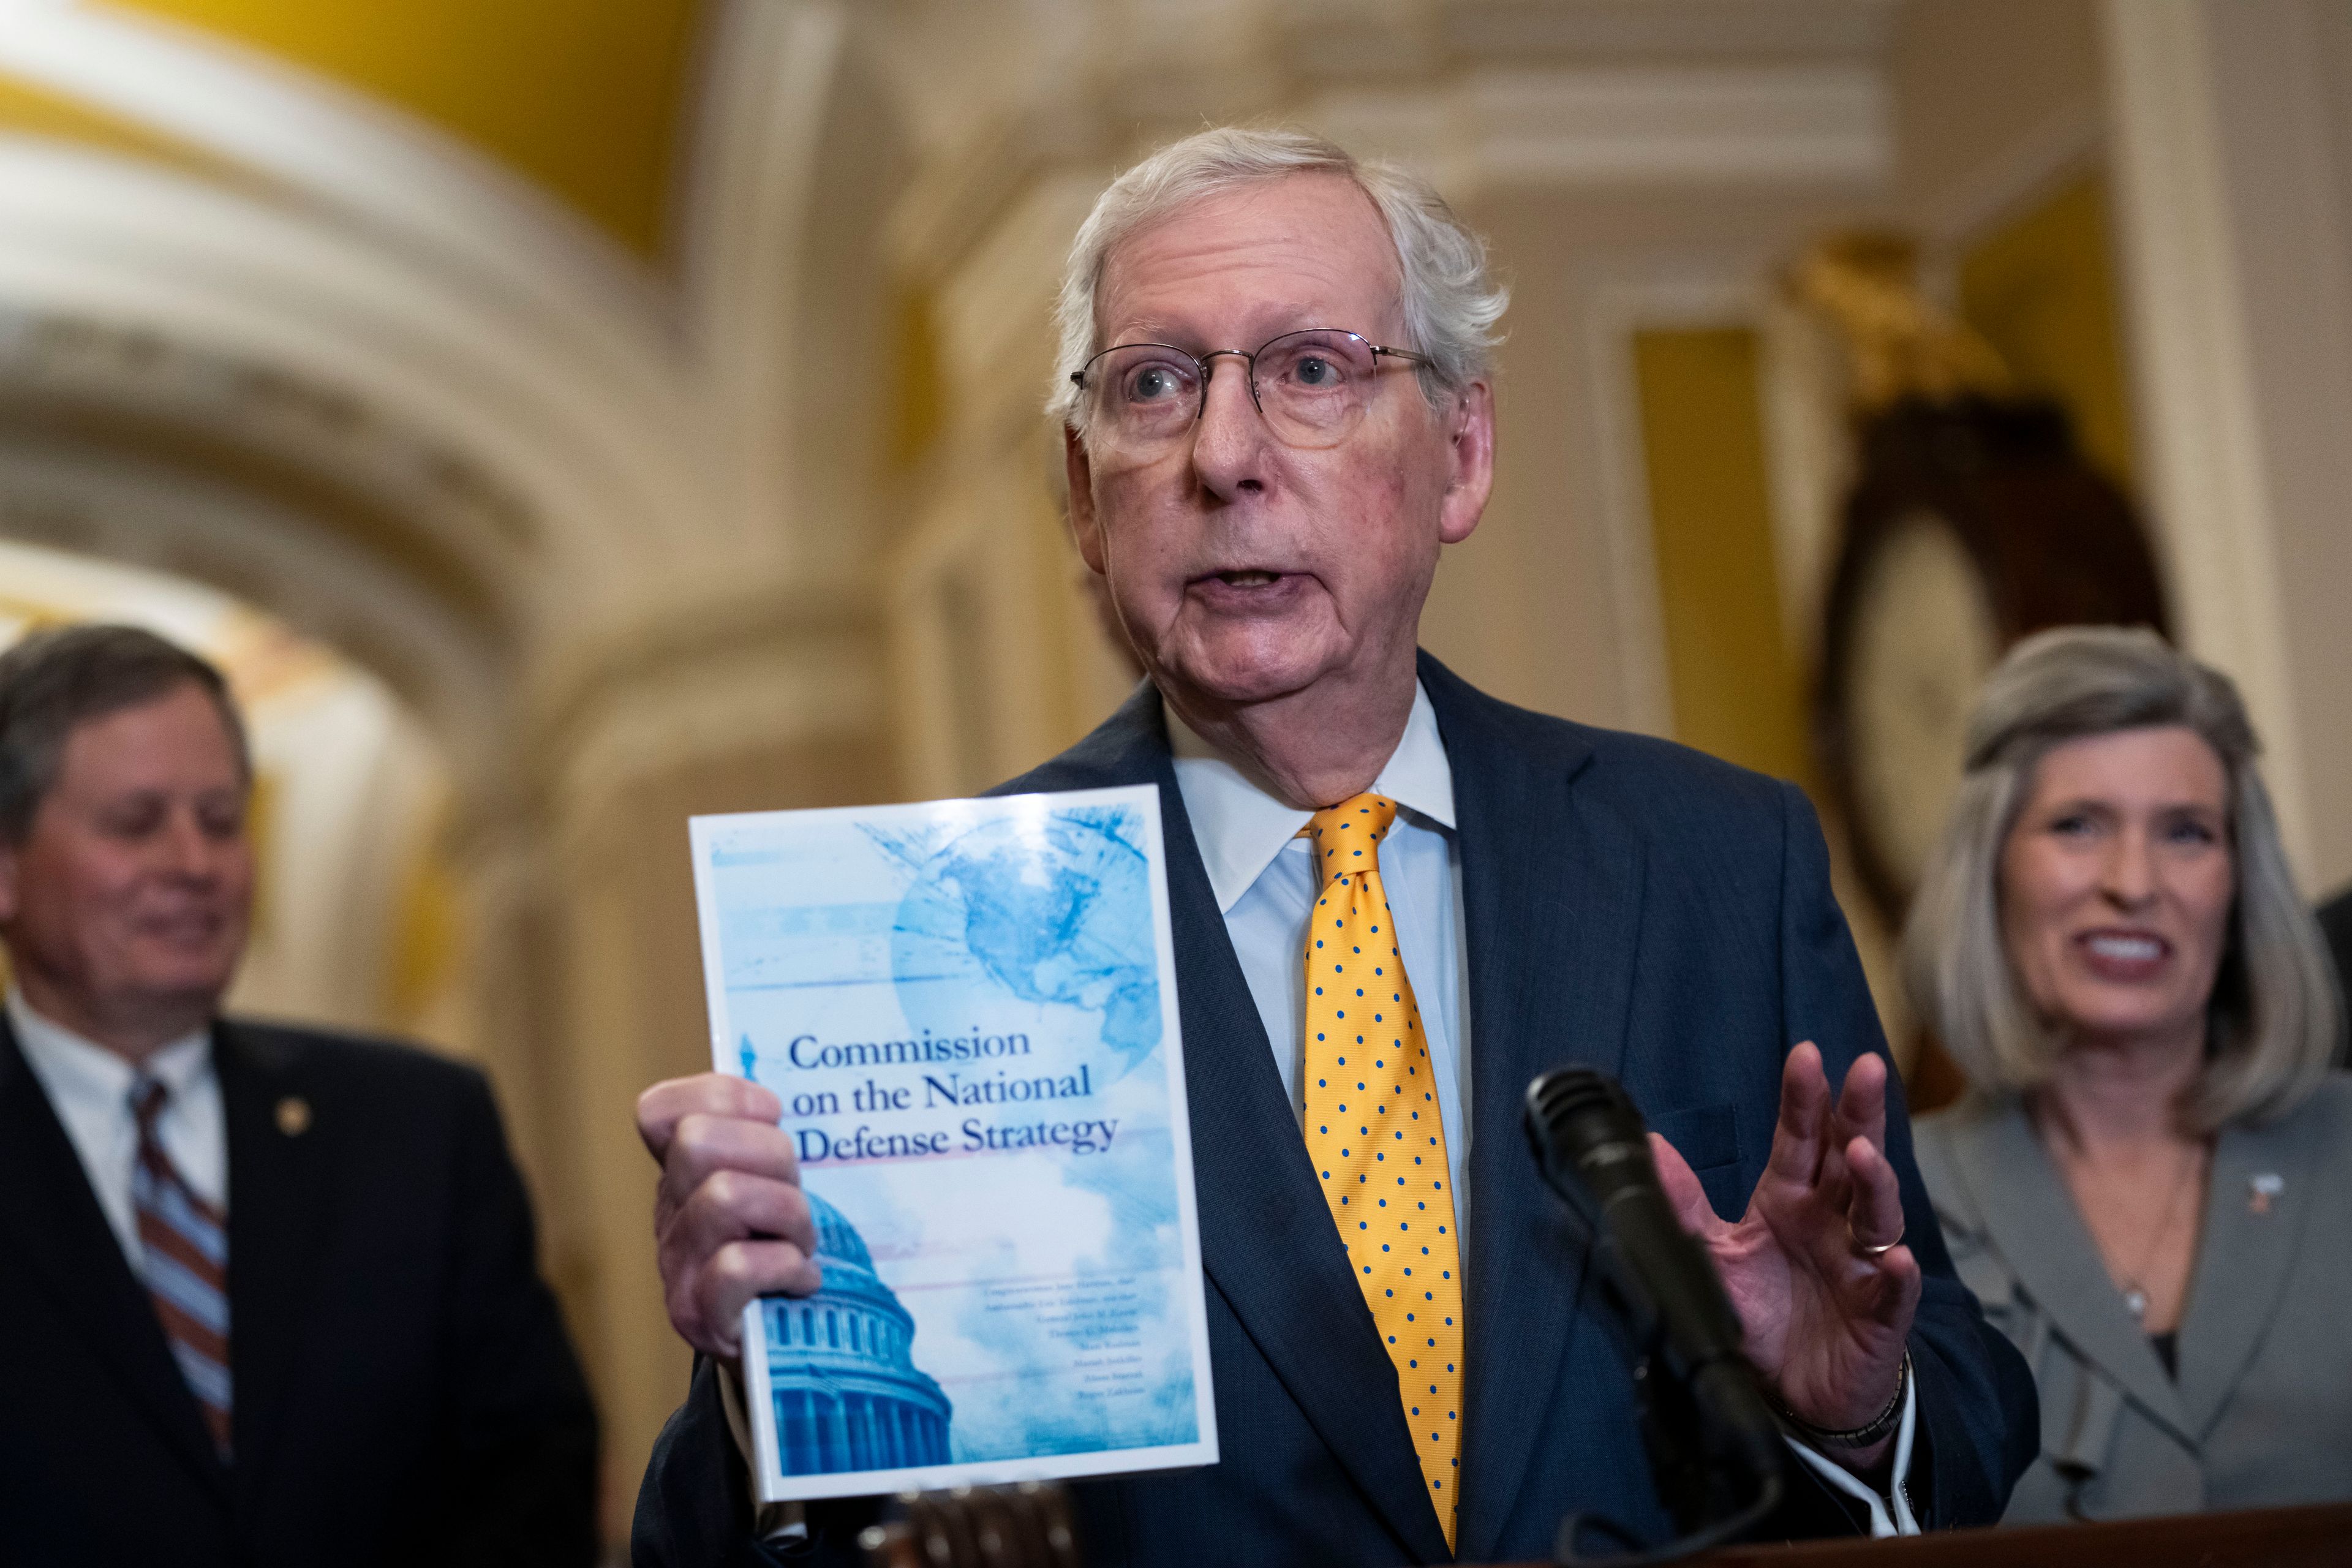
(147, 1098)
(1347, 837)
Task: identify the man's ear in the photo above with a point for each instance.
(10, 854)
(1470, 451)
(1085, 526)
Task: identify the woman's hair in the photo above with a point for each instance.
(2272, 1019)
(1450, 304)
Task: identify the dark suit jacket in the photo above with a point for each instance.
(403, 1390)
(1630, 905)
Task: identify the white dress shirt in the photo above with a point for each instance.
(1262, 876)
(90, 1088)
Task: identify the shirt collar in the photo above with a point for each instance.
(71, 1064)
(1241, 824)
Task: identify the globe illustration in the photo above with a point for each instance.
(1056, 909)
(846, 1393)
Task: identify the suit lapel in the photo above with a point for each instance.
(1551, 890)
(1267, 1241)
(50, 1223)
(2251, 1233)
(278, 1193)
(2033, 1223)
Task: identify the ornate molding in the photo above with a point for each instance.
(602, 448)
(423, 503)
(1857, 30)
(634, 418)
(1629, 124)
(264, 549)
(1557, 92)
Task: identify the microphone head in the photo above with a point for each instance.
(1593, 1149)
(1589, 1139)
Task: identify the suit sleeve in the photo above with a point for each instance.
(1978, 1419)
(522, 1430)
(694, 1509)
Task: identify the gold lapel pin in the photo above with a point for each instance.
(293, 1116)
(2262, 1190)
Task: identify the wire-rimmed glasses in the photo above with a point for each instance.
(1311, 388)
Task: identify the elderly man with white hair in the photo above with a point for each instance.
(1279, 412)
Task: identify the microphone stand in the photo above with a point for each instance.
(1715, 1449)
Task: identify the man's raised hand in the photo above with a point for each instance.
(1815, 1269)
(731, 1222)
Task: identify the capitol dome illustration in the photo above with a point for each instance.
(847, 1390)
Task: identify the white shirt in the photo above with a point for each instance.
(1265, 880)
(1262, 876)
(90, 1088)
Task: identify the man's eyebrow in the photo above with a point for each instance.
(1153, 330)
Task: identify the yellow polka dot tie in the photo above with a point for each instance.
(1373, 1131)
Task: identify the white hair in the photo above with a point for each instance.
(1450, 303)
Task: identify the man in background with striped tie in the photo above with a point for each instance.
(268, 1295)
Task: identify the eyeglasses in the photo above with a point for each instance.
(1311, 388)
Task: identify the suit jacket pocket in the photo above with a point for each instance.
(1707, 1138)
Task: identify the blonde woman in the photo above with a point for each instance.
(2150, 1186)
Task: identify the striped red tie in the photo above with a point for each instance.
(184, 1242)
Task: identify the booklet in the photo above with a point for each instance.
(968, 1009)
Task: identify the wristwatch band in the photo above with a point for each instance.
(1861, 1436)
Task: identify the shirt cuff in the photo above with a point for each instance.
(773, 1523)
(1890, 1514)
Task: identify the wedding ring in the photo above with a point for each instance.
(1867, 1250)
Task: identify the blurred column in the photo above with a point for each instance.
(2230, 123)
(512, 990)
(766, 702)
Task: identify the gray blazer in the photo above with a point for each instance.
(2262, 1414)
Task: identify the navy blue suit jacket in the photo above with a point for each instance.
(1632, 905)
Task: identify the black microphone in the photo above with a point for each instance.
(1594, 1152)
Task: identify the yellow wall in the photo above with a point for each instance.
(586, 96)
(918, 400)
(2041, 288)
(1736, 693)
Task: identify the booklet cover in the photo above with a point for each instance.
(968, 1009)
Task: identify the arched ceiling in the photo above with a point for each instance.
(589, 100)
(27, 108)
